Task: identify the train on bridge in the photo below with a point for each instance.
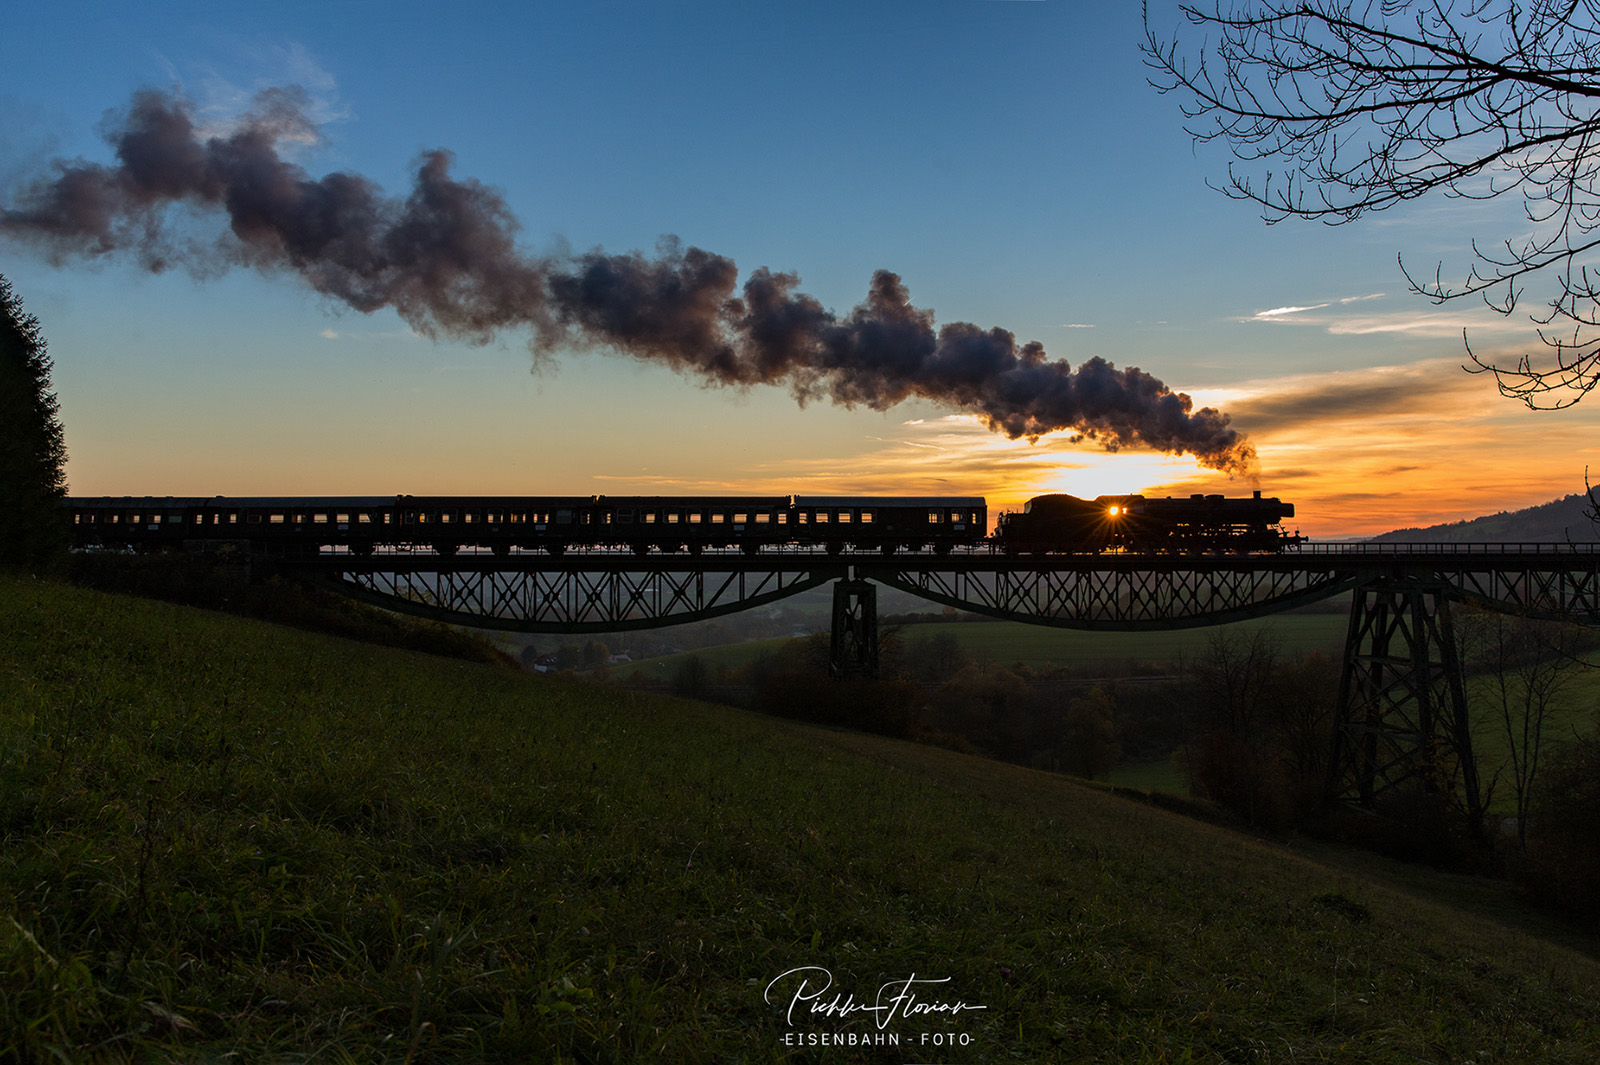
(1051, 524)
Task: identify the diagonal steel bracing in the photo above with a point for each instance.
(1128, 593)
(603, 593)
(1403, 711)
(575, 600)
(599, 591)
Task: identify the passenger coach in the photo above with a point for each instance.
(446, 524)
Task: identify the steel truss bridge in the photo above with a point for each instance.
(1403, 714)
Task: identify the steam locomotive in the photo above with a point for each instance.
(1049, 524)
(1135, 523)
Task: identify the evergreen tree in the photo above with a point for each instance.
(33, 451)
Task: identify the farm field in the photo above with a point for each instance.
(227, 839)
(1039, 647)
(1003, 643)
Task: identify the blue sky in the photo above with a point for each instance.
(1005, 157)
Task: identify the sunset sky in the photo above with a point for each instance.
(1005, 158)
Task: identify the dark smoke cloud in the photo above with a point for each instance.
(445, 258)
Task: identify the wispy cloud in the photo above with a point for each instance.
(1279, 313)
(1417, 319)
(1435, 387)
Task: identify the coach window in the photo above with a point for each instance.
(801, 517)
(625, 516)
(648, 516)
(741, 519)
(276, 519)
(718, 517)
(866, 517)
(933, 517)
(672, 517)
(563, 517)
(822, 517)
(844, 517)
(763, 517)
(319, 519)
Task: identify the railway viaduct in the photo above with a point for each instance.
(1401, 701)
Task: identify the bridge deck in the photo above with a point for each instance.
(604, 590)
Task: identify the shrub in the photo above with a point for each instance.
(887, 707)
(1251, 782)
(1562, 865)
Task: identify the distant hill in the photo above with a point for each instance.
(1558, 521)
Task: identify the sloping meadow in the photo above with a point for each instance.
(222, 836)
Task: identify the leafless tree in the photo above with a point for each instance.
(1521, 669)
(1234, 679)
(1351, 106)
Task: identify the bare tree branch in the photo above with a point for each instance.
(1357, 105)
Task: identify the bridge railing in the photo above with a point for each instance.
(1323, 549)
(1388, 549)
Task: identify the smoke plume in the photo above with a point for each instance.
(445, 258)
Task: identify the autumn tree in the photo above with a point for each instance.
(1089, 745)
(33, 452)
(1337, 108)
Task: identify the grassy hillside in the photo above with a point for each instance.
(222, 837)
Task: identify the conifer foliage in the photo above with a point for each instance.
(33, 451)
